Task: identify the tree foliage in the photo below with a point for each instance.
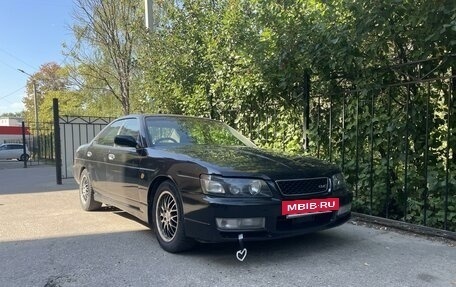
(12, 115)
(50, 79)
(107, 36)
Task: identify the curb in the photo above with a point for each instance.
(409, 227)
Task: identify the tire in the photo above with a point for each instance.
(86, 199)
(168, 220)
(24, 157)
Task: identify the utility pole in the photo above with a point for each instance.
(149, 17)
(35, 105)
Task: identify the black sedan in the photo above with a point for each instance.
(196, 179)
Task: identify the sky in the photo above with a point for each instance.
(31, 34)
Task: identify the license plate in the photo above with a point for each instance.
(309, 206)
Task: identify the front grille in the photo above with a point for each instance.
(304, 186)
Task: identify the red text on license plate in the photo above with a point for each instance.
(309, 206)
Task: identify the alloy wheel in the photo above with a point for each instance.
(85, 190)
(166, 216)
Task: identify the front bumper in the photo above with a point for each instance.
(200, 220)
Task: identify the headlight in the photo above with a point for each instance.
(234, 187)
(338, 181)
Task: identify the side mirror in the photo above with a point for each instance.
(127, 141)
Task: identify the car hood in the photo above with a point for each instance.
(242, 161)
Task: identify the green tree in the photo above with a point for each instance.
(12, 115)
(50, 78)
(107, 35)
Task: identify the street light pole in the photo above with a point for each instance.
(35, 105)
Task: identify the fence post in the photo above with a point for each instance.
(306, 116)
(447, 150)
(24, 151)
(406, 148)
(58, 153)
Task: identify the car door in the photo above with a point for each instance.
(16, 150)
(123, 163)
(11, 151)
(97, 157)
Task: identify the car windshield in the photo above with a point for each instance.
(193, 131)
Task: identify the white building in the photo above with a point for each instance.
(11, 122)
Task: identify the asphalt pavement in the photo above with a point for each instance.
(46, 239)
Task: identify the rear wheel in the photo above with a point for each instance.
(24, 157)
(86, 199)
(168, 219)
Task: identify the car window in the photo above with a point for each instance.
(106, 137)
(130, 128)
(160, 135)
(163, 131)
(211, 134)
(193, 131)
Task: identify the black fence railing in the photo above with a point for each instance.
(40, 142)
(74, 131)
(394, 137)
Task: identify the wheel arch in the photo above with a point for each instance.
(77, 175)
(153, 190)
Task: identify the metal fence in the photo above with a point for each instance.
(41, 142)
(394, 139)
(75, 131)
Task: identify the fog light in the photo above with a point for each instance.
(344, 209)
(235, 190)
(240, 223)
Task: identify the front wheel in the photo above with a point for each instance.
(168, 219)
(86, 199)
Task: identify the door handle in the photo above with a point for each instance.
(111, 156)
(89, 154)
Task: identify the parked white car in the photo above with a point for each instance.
(14, 151)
